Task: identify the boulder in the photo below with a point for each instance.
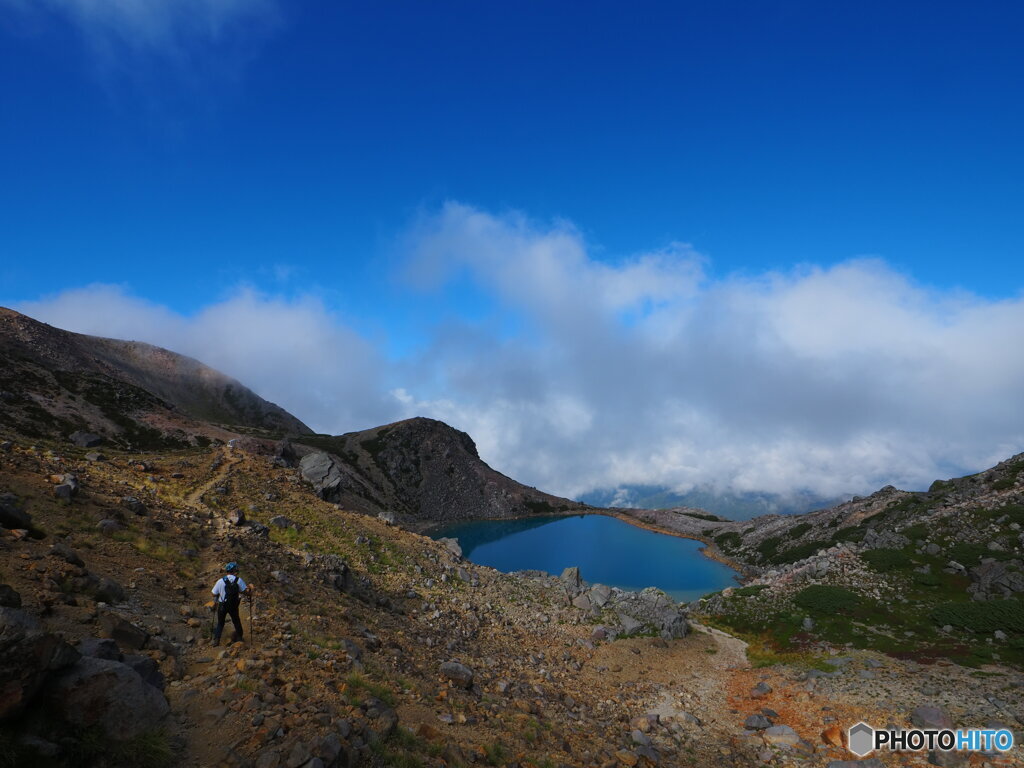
(760, 690)
(134, 506)
(146, 668)
(28, 655)
(995, 578)
(458, 673)
(630, 625)
(600, 595)
(236, 517)
(280, 521)
(85, 439)
(9, 598)
(453, 546)
(571, 577)
(108, 527)
(11, 514)
(109, 591)
(781, 735)
(123, 632)
(108, 695)
(757, 723)
(323, 473)
(100, 648)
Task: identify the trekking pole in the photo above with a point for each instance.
(252, 634)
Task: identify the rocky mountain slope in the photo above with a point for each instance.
(371, 645)
(419, 472)
(935, 574)
(53, 383)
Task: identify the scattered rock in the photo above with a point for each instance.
(458, 673)
(11, 514)
(757, 723)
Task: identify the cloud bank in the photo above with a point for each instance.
(589, 374)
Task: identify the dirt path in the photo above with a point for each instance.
(195, 499)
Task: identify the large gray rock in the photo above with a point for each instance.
(571, 577)
(323, 473)
(995, 578)
(27, 656)
(108, 695)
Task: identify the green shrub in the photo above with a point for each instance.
(799, 530)
(883, 560)
(752, 590)
(821, 598)
(705, 516)
(769, 547)
(800, 551)
(729, 540)
(987, 616)
(968, 552)
(940, 486)
(928, 579)
(853, 533)
(916, 531)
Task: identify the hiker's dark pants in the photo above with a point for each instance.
(223, 611)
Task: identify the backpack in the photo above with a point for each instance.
(231, 592)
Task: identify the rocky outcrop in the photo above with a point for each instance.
(421, 471)
(28, 655)
(109, 695)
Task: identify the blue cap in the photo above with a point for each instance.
(230, 566)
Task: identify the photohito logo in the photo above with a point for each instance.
(862, 739)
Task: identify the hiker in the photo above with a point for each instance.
(228, 595)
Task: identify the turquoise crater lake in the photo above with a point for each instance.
(606, 549)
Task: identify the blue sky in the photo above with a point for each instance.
(176, 161)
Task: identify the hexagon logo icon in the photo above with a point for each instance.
(860, 739)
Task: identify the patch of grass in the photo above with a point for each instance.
(928, 579)
(969, 552)
(357, 686)
(988, 616)
(495, 753)
(825, 599)
(884, 560)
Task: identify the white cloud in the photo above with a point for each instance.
(645, 370)
(294, 353)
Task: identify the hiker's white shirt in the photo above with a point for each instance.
(218, 588)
